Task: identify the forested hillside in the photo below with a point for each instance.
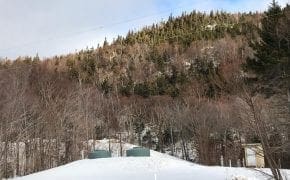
(198, 85)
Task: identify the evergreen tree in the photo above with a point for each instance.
(106, 43)
(36, 59)
(267, 52)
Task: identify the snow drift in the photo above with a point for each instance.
(156, 167)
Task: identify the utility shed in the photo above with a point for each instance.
(138, 152)
(254, 155)
(99, 154)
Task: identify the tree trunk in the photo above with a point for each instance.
(261, 130)
(17, 159)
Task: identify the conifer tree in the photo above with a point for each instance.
(267, 53)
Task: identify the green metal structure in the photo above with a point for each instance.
(99, 154)
(138, 152)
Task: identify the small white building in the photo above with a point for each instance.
(254, 155)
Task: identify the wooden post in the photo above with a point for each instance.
(171, 137)
(244, 164)
(109, 144)
(120, 141)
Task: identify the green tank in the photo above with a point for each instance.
(138, 152)
(99, 154)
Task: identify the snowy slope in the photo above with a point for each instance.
(158, 166)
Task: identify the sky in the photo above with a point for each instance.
(55, 27)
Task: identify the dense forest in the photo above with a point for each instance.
(199, 82)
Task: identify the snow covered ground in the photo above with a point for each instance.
(157, 167)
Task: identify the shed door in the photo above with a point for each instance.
(251, 157)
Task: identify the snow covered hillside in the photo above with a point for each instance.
(157, 167)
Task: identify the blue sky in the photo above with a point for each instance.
(54, 27)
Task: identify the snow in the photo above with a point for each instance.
(156, 167)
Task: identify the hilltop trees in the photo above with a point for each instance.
(267, 50)
(272, 50)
